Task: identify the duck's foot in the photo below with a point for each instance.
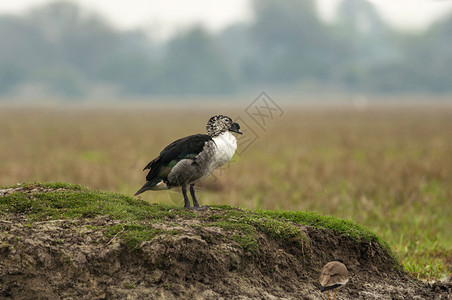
(199, 208)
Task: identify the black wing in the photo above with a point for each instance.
(187, 147)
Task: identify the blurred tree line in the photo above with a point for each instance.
(61, 49)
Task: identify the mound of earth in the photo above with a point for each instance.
(60, 241)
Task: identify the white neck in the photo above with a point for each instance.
(226, 146)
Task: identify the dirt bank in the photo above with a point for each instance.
(185, 255)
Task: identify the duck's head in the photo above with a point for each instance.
(220, 124)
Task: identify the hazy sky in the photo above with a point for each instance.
(162, 18)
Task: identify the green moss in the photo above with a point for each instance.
(280, 230)
(129, 285)
(274, 222)
(245, 227)
(134, 234)
(243, 234)
(53, 185)
(74, 201)
(279, 225)
(68, 201)
(247, 242)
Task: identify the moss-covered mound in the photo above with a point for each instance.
(60, 240)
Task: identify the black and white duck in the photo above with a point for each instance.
(193, 158)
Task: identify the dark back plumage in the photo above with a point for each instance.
(187, 147)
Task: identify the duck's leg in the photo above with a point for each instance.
(195, 201)
(193, 196)
(186, 200)
(335, 290)
(328, 294)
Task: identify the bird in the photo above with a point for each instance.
(333, 275)
(193, 158)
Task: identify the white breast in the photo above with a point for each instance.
(226, 145)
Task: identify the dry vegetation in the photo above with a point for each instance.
(389, 169)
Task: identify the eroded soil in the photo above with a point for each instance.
(74, 259)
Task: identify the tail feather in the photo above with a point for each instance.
(147, 186)
(158, 184)
(151, 163)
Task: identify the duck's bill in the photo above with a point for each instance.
(235, 127)
(236, 131)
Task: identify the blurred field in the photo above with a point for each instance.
(389, 169)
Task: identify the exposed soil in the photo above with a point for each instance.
(73, 259)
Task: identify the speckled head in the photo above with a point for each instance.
(219, 124)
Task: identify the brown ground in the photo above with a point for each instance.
(72, 259)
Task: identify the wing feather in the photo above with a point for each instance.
(185, 148)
